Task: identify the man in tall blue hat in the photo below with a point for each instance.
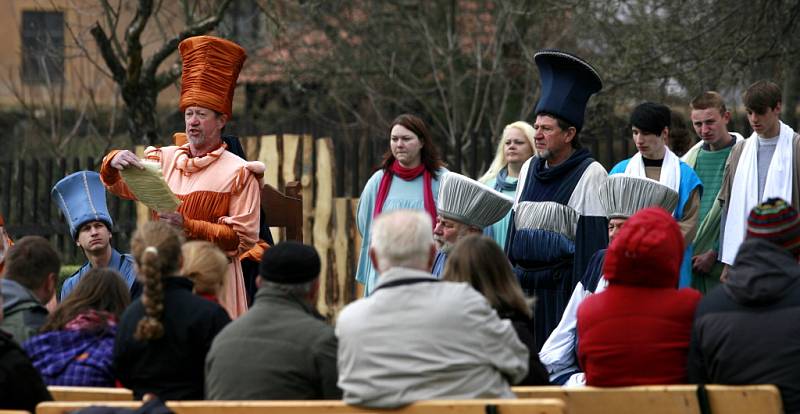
(81, 197)
(563, 172)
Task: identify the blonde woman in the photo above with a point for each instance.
(515, 147)
(205, 265)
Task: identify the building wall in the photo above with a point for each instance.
(82, 77)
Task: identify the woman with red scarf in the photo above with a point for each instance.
(407, 179)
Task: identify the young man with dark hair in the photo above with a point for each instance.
(654, 160)
(710, 120)
(30, 279)
(761, 167)
(82, 200)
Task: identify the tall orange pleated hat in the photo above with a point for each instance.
(210, 69)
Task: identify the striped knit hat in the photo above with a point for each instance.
(776, 221)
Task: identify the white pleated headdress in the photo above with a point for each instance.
(467, 201)
(623, 195)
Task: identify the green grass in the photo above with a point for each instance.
(66, 271)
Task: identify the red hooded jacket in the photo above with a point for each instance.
(637, 331)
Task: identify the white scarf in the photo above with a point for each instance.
(744, 190)
(670, 169)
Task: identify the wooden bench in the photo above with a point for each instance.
(537, 406)
(662, 399)
(61, 393)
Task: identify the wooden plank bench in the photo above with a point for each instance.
(661, 399)
(62, 393)
(530, 406)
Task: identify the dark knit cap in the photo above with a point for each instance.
(290, 263)
(776, 221)
(651, 117)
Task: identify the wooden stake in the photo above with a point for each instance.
(291, 143)
(269, 155)
(307, 181)
(322, 222)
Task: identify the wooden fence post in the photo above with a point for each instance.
(290, 155)
(322, 223)
(268, 154)
(307, 183)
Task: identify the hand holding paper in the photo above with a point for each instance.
(149, 187)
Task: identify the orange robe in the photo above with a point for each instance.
(220, 203)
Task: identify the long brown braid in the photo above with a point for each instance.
(156, 246)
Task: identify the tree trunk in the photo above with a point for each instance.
(791, 97)
(142, 122)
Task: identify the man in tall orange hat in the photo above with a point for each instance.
(220, 192)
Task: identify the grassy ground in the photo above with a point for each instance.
(66, 271)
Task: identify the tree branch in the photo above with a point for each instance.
(106, 51)
(133, 38)
(201, 27)
(168, 77)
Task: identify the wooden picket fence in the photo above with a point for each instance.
(329, 221)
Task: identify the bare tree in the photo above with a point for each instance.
(463, 65)
(138, 76)
(466, 65)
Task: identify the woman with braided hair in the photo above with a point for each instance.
(163, 337)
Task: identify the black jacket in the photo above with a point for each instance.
(21, 386)
(537, 374)
(172, 366)
(746, 330)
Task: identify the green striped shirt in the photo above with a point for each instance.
(710, 167)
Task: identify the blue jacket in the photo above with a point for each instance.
(122, 263)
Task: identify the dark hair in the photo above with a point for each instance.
(429, 153)
(762, 96)
(709, 99)
(680, 140)
(100, 289)
(30, 261)
(564, 125)
(651, 117)
(479, 261)
(156, 246)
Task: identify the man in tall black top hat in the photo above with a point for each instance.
(562, 172)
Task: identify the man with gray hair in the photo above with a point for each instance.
(465, 207)
(281, 349)
(418, 338)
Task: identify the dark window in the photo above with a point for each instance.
(42, 47)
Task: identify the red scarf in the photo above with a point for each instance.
(406, 174)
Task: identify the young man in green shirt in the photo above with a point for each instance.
(710, 118)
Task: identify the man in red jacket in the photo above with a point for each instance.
(637, 331)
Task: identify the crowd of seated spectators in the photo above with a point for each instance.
(468, 335)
